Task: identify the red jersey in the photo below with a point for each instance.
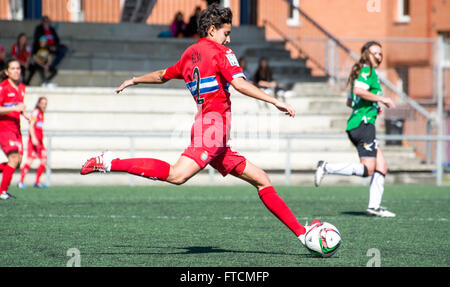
(38, 118)
(21, 54)
(9, 97)
(207, 69)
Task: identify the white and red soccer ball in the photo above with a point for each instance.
(323, 240)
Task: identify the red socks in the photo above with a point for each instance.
(24, 172)
(279, 208)
(146, 167)
(7, 176)
(26, 168)
(39, 172)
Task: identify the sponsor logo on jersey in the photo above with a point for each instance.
(365, 75)
(232, 59)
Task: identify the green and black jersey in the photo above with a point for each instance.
(364, 110)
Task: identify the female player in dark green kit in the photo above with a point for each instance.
(364, 99)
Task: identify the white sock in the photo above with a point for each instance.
(345, 168)
(376, 190)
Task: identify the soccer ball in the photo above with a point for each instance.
(323, 240)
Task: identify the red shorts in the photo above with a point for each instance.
(11, 141)
(214, 152)
(37, 151)
(223, 159)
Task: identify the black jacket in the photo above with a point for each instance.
(38, 32)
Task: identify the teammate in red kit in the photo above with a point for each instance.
(208, 67)
(36, 148)
(12, 93)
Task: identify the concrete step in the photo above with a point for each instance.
(177, 143)
(68, 31)
(204, 178)
(182, 122)
(180, 142)
(270, 160)
(169, 100)
(104, 78)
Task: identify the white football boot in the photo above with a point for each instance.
(302, 237)
(380, 211)
(320, 172)
(5, 195)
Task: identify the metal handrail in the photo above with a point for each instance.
(287, 137)
(347, 50)
(297, 47)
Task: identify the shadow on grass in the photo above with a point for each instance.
(196, 250)
(354, 213)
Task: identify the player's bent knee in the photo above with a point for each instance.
(383, 170)
(177, 178)
(368, 171)
(262, 180)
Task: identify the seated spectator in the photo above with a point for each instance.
(192, 26)
(22, 52)
(243, 64)
(41, 62)
(178, 26)
(264, 80)
(57, 49)
(2, 58)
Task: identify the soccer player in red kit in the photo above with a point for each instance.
(208, 67)
(12, 93)
(36, 148)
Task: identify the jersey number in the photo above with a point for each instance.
(196, 77)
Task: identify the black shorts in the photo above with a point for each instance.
(364, 139)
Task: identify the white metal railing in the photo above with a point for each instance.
(286, 137)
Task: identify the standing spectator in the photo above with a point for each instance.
(41, 62)
(57, 49)
(22, 52)
(178, 26)
(2, 58)
(192, 26)
(263, 78)
(12, 93)
(36, 147)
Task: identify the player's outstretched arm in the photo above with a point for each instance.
(364, 94)
(250, 90)
(155, 77)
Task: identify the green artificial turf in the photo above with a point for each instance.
(189, 226)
